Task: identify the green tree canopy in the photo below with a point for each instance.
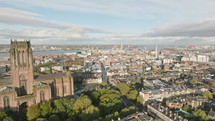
(132, 95)
(82, 103)
(193, 81)
(54, 117)
(68, 103)
(123, 88)
(207, 94)
(33, 112)
(46, 108)
(41, 119)
(90, 113)
(110, 103)
(200, 115)
(2, 115)
(187, 108)
(136, 82)
(113, 116)
(139, 101)
(104, 84)
(94, 96)
(126, 111)
(59, 106)
(8, 119)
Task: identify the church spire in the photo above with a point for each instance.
(156, 51)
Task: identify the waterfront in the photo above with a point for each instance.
(59, 52)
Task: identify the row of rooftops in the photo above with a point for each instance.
(167, 112)
(187, 98)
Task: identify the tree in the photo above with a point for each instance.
(90, 113)
(126, 111)
(123, 88)
(136, 82)
(104, 84)
(8, 119)
(207, 94)
(132, 95)
(110, 103)
(54, 117)
(82, 103)
(187, 108)
(59, 106)
(140, 101)
(200, 115)
(2, 115)
(68, 103)
(41, 119)
(33, 112)
(94, 96)
(46, 108)
(103, 91)
(113, 116)
(213, 94)
(193, 81)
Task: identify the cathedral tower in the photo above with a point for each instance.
(22, 67)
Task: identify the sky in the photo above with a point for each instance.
(108, 22)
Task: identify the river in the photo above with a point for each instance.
(4, 56)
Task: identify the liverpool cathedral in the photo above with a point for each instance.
(22, 88)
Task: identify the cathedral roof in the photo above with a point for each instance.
(49, 76)
(5, 88)
(40, 83)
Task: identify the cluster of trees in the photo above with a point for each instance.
(99, 105)
(130, 93)
(5, 117)
(197, 114)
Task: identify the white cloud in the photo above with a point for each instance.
(198, 28)
(19, 17)
(168, 9)
(41, 29)
(44, 33)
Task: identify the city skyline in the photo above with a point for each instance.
(108, 22)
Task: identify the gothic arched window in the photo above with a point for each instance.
(23, 57)
(20, 57)
(64, 89)
(6, 102)
(23, 87)
(57, 91)
(42, 96)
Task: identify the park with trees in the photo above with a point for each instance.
(104, 104)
